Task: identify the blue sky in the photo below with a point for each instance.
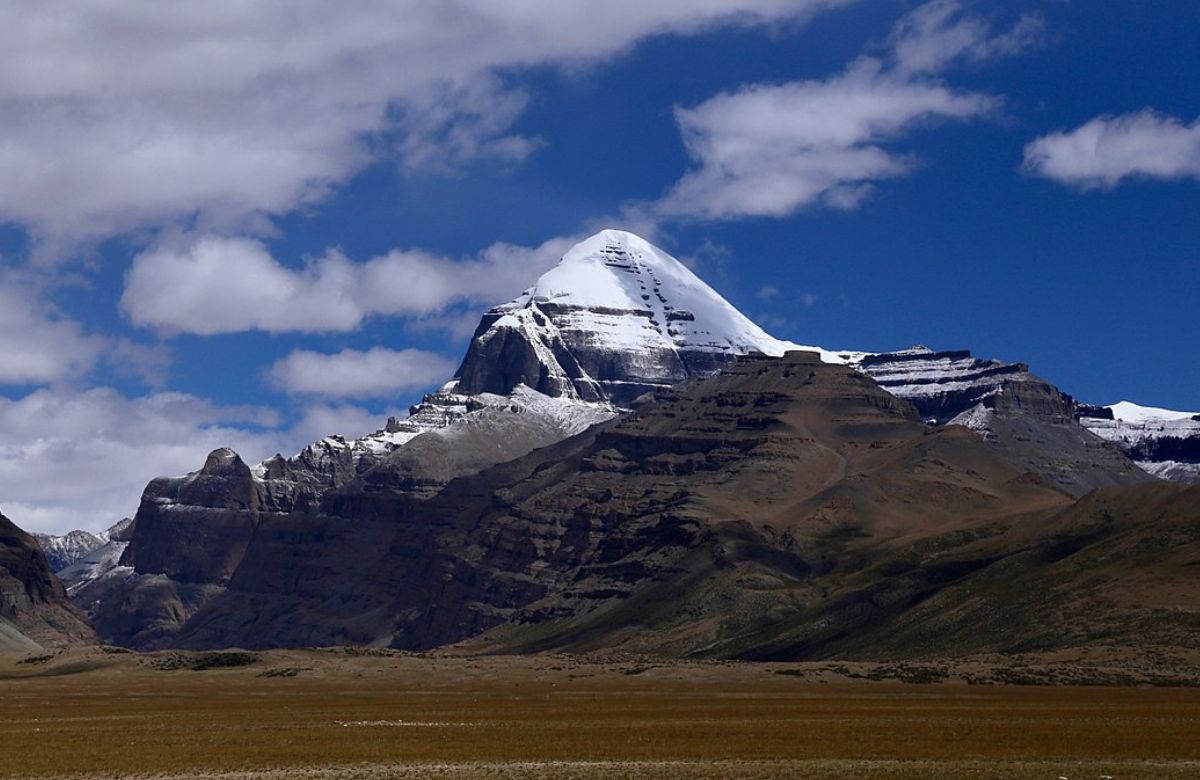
(256, 226)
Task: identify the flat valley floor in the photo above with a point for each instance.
(375, 714)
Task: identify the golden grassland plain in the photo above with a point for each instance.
(345, 713)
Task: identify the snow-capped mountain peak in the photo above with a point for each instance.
(615, 318)
(615, 270)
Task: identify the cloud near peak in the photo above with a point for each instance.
(376, 373)
(215, 284)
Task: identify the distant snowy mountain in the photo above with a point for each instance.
(1162, 442)
(62, 551)
(616, 318)
(1128, 412)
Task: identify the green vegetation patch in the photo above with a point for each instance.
(203, 661)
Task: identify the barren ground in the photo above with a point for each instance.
(376, 714)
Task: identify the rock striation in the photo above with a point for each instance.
(1020, 414)
(783, 509)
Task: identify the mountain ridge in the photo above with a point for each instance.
(276, 552)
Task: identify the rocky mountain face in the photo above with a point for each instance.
(789, 510)
(1160, 441)
(785, 508)
(1020, 414)
(90, 577)
(34, 610)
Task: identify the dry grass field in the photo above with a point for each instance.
(360, 714)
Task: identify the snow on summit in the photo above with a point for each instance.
(617, 271)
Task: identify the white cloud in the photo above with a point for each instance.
(37, 344)
(1109, 149)
(937, 33)
(768, 150)
(228, 285)
(81, 459)
(125, 115)
(375, 373)
(458, 325)
(772, 149)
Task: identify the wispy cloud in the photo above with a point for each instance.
(936, 34)
(1110, 149)
(772, 149)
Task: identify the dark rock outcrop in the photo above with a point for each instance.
(195, 535)
(34, 610)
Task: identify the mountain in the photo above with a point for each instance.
(34, 610)
(378, 540)
(1162, 442)
(1021, 415)
(788, 509)
(782, 509)
(88, 578)
(62, 551)
(616, 318)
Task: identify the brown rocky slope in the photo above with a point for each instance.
(784, 509)
(34, 610)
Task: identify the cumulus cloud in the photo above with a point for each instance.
(1109, 149)
(38, 344)
(228, 285)
(375, 373)
(771, 149)
(129, 114)
(81, 459)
